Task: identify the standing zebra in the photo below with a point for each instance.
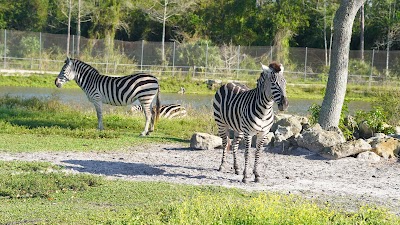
(117, 91)
(168, 111)
(248, 113)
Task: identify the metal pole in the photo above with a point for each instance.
(5, 48)
(141, 58)
(205, 70)
(372, 67)
(173, 60)
(40, 51)
(305, 65)
(238, 62)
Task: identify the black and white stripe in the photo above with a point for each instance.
(110, 90)
(248, 113)
(168, 111)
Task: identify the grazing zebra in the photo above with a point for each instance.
(113, 90)
(248, 113)
(166, 111)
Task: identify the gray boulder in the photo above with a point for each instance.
(204, 141)
(345, 149)
(315, 138)
(369, 156)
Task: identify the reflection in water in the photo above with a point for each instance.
(77, 98)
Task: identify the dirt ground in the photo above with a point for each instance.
(346, 183)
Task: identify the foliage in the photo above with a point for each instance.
(375, 119)
(359, 67)
(200, 54)
(389, 103)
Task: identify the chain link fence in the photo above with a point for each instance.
(32, 52)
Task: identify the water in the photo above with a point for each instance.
(77, 98)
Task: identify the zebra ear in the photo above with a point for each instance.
(67, 60)
(264, 67)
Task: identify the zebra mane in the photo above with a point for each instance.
(80, 63)
(275, 66)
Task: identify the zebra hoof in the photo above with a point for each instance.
(257, 179)
(237, 172)
(245, 180)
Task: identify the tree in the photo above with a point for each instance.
(163, 10)
(337, 81)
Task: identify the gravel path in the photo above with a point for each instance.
(345, 183)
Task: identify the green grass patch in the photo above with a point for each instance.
(40, 180)
(36, 124)
(41, 193)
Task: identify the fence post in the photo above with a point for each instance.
(40, 50)
(141, 58)
(173, 60)
(238, 62)
(205, 69)
(305, 65)
(372, 67)
(5, 48)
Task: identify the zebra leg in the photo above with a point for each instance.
(247, 144)
(147, 115)
(98, 106)
(260, 143)
(235, 146)
(223, 133)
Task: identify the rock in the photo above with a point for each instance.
(294, 123)
(315, 138)
(213, 84)
(364, 130)
(397, 129)
(386, 147)
(204, 141)
(345, 149)
(369, 156)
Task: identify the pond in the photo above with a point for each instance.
(77, 98)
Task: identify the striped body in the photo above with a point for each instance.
(248, 113)
(118, 91)
(166, 111)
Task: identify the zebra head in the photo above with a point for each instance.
(274, 84)
(67, 73)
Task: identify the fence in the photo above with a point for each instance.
(45, 53)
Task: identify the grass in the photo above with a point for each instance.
(33, 192)
(43, 124)
(42, 193)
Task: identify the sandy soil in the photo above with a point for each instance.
(346, 183)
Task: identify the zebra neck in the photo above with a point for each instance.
(263, 99)
(85, 78)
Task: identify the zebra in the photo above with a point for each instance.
(168, 111)
(110, 90)
(249, 112)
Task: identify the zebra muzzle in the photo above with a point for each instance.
(283, 104)
(58, 83)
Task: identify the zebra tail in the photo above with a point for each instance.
(158, 104)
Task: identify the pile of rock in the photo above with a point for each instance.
(290, 131)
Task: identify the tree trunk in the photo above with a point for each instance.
(336, 88)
